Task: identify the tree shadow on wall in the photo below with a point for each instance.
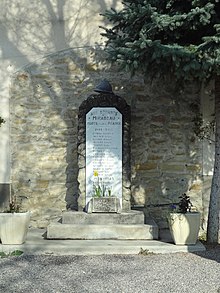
(55, 86)
(30, 31)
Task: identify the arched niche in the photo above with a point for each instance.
(117, 104)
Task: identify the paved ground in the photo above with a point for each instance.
(157, 273)
(60, 266)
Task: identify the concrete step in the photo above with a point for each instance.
(111, 231)
(131, 217)
(36, 244)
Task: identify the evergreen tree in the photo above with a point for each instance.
(182, 38)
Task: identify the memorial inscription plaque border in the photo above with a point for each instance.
(104, 101)
(104, 152)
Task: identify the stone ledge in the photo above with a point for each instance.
(115, 231)
(131, 217)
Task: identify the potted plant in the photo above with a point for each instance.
(184, 223)
(1, 121)
(14, 224)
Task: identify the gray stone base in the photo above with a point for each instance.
(80, 225)
(116, 231)
(131, 217)
(37, 245)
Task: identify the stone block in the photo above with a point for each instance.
(127, 232)
(42, 183)
(131, 217)
(148, 166)
(172, 167)
(193, 167)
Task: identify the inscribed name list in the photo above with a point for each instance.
(104, 150)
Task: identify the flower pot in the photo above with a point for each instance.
(14, 227)
(184, 228)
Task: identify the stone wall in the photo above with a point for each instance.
(166, 156)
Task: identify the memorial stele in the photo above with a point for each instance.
(104, 152)
(104, 149)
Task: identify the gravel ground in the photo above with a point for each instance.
(179, 272)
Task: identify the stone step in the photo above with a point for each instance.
(111, 231)
(131, 217)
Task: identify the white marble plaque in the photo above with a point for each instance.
(104, 151)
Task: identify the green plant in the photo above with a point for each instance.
(99, 187)
(183, 206)
(176, 38)
(1, 121)
(203, 129)
(13, 206)
(13, 253)
(203, 237)
(145, 252)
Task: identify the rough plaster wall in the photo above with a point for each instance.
(45, 97)
(30, 29)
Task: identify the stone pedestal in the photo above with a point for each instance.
(81, 225)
